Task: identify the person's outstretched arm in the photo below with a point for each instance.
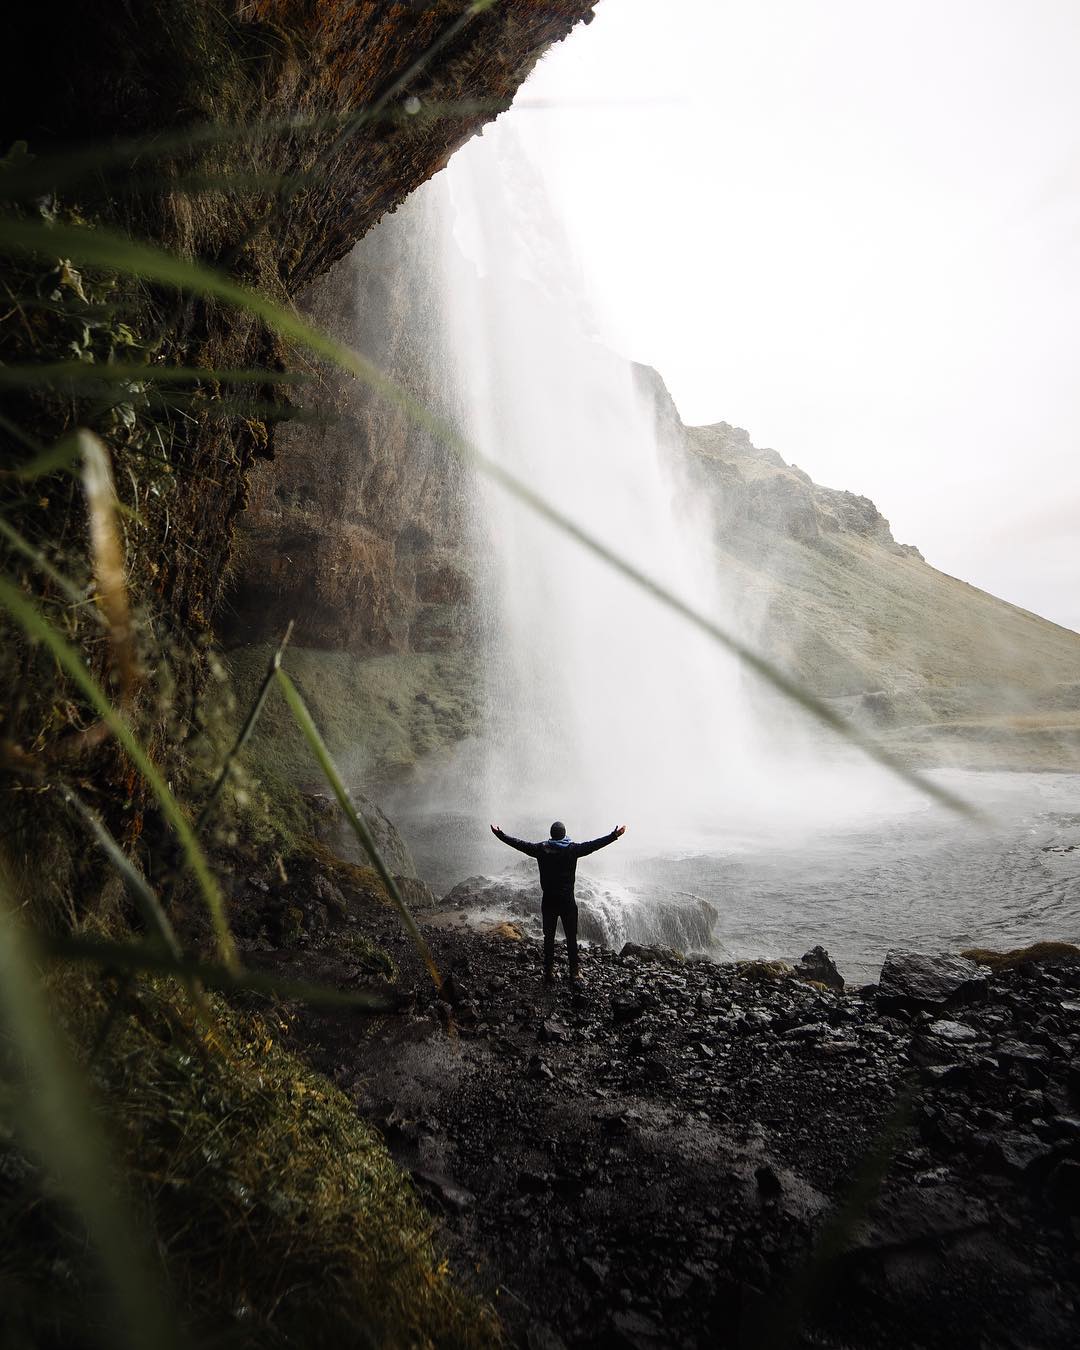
(522, 845)
(602, 842)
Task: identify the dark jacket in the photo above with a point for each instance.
(557, 860)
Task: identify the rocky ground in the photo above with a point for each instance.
(688, 1154)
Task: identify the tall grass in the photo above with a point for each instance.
(55, 1115)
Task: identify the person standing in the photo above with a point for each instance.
(557, 858)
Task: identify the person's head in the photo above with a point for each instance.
(558, 830)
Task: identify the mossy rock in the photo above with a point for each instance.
(1038, 953)
(764, 972)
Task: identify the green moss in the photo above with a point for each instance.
(373, 958)
(378, 715)
(278, 1214)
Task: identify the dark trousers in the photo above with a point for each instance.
(552, 910)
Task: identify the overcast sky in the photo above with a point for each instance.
(853, 228)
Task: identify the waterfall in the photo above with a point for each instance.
(602, 705)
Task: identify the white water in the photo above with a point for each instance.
(748, 832)
(603, 705)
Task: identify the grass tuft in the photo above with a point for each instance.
(278, 1213)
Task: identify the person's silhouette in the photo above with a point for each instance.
(557, 858)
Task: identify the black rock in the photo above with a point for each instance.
(1016, 1153)
(442, 1188)
(533, 1183)
(552, 1032)
(811, 1031)
(541, 1337)
(818, 965)
(900, 1219)
(596, 1272)
(625, 1008)
(1063, 1187)
(635, 1332)
(953, 1033)
(912, 982)
(768, 1182)
(539, 1070)
(1064, 1127)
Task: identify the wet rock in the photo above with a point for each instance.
(636, 1332)
(818, 966)
(764, 972)
(595, 1271)
(768, 1183)
(809, 1032)
(839, 1047)
(953, 1033)
(1064, 1127)
(442, 1188)
(1016, 1153)
(539, 1071)
(665, 954)
(909, 1217)
(1025, 1062)
(552, 1032)
(619, 1122)
(328, 894)
(912, 982)
(542, 1337)
(626, 1007)
(534, 1183)
(1063, 1187)
(656, 1070)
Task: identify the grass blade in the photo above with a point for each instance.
(52, 373)
(36, 627)
(74, 593)
(154, 916)
(311, 733)
(48, 459)
(107, 556)
(245, 731)
(142, 956)
(59, 1124)
(102, 249)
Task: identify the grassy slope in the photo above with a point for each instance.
(277, 1214)
(937, 666)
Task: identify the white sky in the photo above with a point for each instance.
(853, 228)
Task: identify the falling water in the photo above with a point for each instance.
(746, 834)
(602, 704)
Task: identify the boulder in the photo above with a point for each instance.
(912, 982)
(818, 966)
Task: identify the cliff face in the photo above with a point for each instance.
(348, 105)
(356, 531)
(321, 118)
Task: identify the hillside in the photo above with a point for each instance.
(939, 669)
